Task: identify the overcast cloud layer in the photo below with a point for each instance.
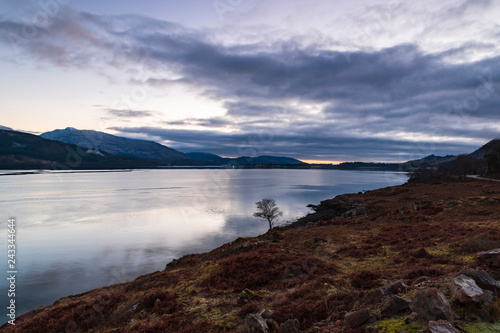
(373, 94)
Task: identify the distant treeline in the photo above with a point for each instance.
(463, 166)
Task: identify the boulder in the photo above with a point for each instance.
(356, 319)
(265, 313)
(373, 297)
(255, 323)
(290, 326)
(393, 288)
(485, 309)
(465, 290)
(431, 305)
(490, 258)
(393, 305)
(483, 280)
(441, 326)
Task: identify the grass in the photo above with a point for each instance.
(395, 325)
(407, 232)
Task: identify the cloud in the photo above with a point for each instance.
(315, 99)
(308, 144)
(130, 113)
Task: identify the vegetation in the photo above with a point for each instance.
(316, 274)
(493, 162)
(268, 211)
(463, 166)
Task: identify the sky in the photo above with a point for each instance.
(317, 80)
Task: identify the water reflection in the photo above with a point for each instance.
(79, 231)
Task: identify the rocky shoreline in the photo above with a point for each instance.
(410, 258)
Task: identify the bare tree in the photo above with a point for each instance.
(268, 211)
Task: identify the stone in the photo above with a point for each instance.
(393, 288)
(393, 305)
(320, 240)
(485, 309)
(483, 280)
(373, 297)
(273, 326)
(290, 326)
(490, 258)
(465, 290)
(254, 323)
(431, 305)
(356, 319)
(265, 313)
(441, 326)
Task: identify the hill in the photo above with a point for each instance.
(116, 145)
(244, 160)
(383, 261)
(207, 157)
(431, 161)
(26, 151)
(493, 145)
(264, 160)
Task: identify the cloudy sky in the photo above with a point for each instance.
(317, 80)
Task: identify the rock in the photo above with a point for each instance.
(254, 323)
(265, 313)
(356, 210)
(393, 288)
(393, 305)
(174, 263)
(320, 240)
(485, 309)
(465, 290)
(490, 258)
(441, 326)
(373, 297)
(273, 326)
(290, 326)
(422, 280)
(431, 305)
(483, 280)
(356, 319)
(310, 225)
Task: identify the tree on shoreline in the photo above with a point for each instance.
(267, 210)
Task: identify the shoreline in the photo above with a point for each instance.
(264, 243)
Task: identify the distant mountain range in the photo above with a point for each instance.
(71, 148)
(117, 145)
(244, 160)
(27, 151)
(95, 149)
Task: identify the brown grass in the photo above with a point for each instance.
(409, 231)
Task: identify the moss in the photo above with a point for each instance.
(483, 328)
(330, 289)
(210, 270)
(225, 325)
(250, 295)
(394, 325)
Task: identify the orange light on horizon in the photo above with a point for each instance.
(321, 162)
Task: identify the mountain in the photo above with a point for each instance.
(27, 151)
(207, 157)
(244, 160)
(430, 161)
(116, 145)
(5, 128)
(487, 148)
(263, 160)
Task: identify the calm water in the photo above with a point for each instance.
(79, 231)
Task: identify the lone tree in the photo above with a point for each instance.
(268, 211)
